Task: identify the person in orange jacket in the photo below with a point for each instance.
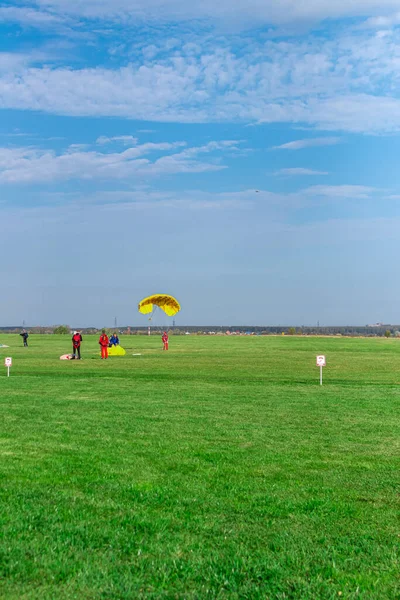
(103, 341)
(165, 340)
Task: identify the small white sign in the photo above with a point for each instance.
(321, 361)
(8, 361)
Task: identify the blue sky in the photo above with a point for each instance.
(243, 157)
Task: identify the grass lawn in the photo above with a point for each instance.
(220, 469)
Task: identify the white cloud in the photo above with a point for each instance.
(76, 147)
(359, 113)
(386, 21)
(295, 171)
(13, 61)
(185, 200)
(278, 205)
(347, 84)
(28, 17)
(340, 191)
(32, 165)
(126, 140)
(243, 12)
(308, 143)
(109, 209)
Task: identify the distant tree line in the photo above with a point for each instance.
(345, 330)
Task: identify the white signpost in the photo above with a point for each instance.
(321, 362)
(8, 364)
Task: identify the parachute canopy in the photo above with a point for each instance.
(168, 304)
(116, 351)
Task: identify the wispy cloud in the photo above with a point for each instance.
(349, 84)
(277, 205)
(14, 61)
(340, 191)
(299, 171)
(32, 165)
(241, 12)
(346, 82)
(384, 22)
(28, 17)
(308, 143)
(152, 200)
(126, 140)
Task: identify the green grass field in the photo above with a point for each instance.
(220, 469)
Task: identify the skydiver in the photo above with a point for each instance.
(76, 344)
(165, 340)
(104, 341)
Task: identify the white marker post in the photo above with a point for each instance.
(8, 364)
(321, 362)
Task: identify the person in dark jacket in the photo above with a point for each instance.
(76, 345)
(25, 336)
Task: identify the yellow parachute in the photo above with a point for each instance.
(168, 304)
(116, 351)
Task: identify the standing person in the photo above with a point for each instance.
(25, 336)
(104, 341)
(165, 340)
(76, 344)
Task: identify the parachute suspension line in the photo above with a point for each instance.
(160, 319)
(153, 313)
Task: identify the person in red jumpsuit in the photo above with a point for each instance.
(76, 345)
(165, 340)
(103, 341)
